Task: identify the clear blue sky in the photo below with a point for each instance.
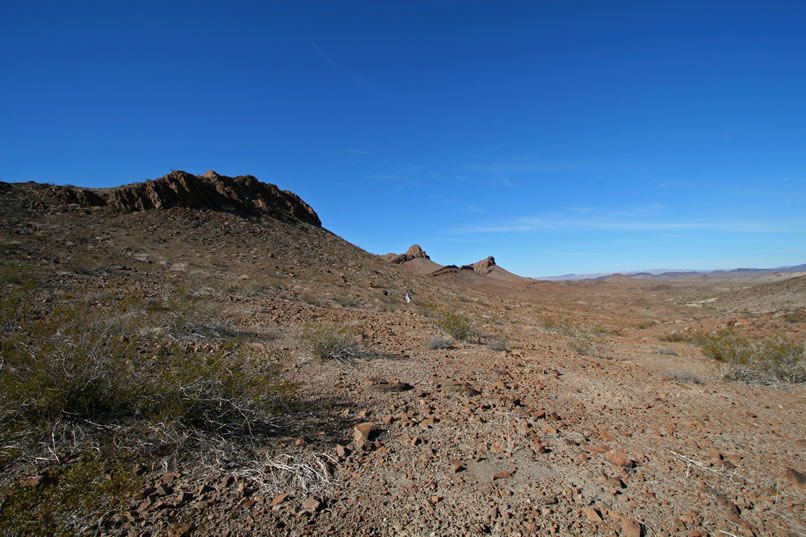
(558, 136)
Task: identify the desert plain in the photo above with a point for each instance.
(198, 355)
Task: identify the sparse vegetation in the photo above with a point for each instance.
(332, 341)
(438, 343)
(455, 324)
(497, 345)
(561, 326)
(760, 361)
(683, 376)
(582, 346)
(677, 337)
(97, 389)
(794, 317)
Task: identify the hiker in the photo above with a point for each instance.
(408, 297)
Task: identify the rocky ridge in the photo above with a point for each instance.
(242, 194)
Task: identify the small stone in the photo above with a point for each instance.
(280, 498)
(311, 505)
(620, 458)
(795, 478)
(630, 527)
(361, 434)
(458, 467)
(593, 515)
(341, 451)
(502, 475)
(180, 530)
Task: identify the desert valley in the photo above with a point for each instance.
(198, 355)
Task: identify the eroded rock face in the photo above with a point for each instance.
(243, 194)
(484, 266)
(414, 252)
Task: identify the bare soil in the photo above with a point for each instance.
(588, 423)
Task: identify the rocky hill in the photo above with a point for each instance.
(173, 365)
(243, 194)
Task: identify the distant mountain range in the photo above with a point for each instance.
(680, 274)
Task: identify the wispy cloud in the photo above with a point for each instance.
(648, 218)
(394, 178)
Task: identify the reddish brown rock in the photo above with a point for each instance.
(631, 527)
(620, 458)
(361, 434)
(795, 478)
(593, 515)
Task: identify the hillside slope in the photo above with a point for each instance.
(563, 409)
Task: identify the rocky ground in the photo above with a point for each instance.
(570, 410)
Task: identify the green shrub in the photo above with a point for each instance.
(560, 326)
(332, 341)
(764, 361)
(69, 499)
(582, 346)
(86, 369)
(455, 325)
(677, 337)
(794, 317)
(438, 343)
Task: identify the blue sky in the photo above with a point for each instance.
(557, 135)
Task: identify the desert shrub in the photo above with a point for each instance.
(347, 301)
(89, 372)
(68, 499)
(763, 361)
(677, 337)
(497, 345)
(684, 377)
(314, 300)
(646, 324)
(560, 326)
(455, 325)
(332, 341)
(602, 330)
(793, 317)
(66, 364)
(438, 343)
(582, 346)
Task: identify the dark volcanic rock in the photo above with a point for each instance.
(243, 194)
(415, 252)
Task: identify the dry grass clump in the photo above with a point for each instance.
(90, 391)
(455, 324)
(332, 341)
(769, 360)
(438, 343)
(561, 326)
(677, 337)
(497, 345)
(684, 377)
(583, 346)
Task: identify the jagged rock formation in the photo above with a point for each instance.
(485, 266)
(242, 194)
(415, 252)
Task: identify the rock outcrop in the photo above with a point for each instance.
(242, 194)
(415, 252)
(485, 266)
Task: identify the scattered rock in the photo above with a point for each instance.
(311, 505)
(795, 478)
(631, 527)
(593, 515)
(361, 433)
(620, 458)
